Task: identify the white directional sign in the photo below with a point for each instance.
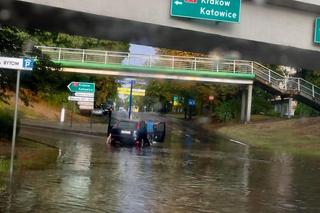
(16, 63)
(83, 107)
(82, 99)
(84, 94)
(83, 103)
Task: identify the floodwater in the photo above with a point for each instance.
(190, 172)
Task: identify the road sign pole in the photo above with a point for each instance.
(91, 122)
(71, 120)
(130, 100)
(15, 124)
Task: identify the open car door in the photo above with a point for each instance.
(159, 132)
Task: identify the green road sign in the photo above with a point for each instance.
(317, 31)
(215, 10)
(81, 87)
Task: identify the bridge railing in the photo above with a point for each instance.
(304, 88)
(287, 84)
(156, 61)
(269, 77)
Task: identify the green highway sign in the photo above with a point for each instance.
(317, 31)
(81, 87)
(215, 10)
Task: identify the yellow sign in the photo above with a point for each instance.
(135, 92)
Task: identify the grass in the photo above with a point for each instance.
(297, 136)
(29, 155)
(41, 110)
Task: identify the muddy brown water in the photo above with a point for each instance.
(190, 172)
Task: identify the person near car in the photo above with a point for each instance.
(150, 129)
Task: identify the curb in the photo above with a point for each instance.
(64, 130)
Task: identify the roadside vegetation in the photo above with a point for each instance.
(300, 136)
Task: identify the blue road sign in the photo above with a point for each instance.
(191, 102)
(28, 63)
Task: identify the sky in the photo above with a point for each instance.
(141, 49)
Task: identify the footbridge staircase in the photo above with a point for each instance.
(183, 68)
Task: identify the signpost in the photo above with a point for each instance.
(81, 87)
(191, 102)
(317, 31)
(81, 99)
(83, 94)
(84, 103)
(16, 64)
(214, 10)
(130, 91)
(135, 92)
(85, 107)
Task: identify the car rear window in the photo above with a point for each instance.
(127, 125)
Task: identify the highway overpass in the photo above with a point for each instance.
(269, 31)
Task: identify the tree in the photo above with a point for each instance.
(312, 76)
(46, 80)
(106, 88)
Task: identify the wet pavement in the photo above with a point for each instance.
(190, 172)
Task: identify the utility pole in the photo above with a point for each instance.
(130, 100)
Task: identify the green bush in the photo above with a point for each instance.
(54, 99)
(261, 103)
(6, 124)
(303, 110)
(228, 110)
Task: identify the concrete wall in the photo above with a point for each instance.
(267, 33)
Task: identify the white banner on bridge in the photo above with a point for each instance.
(82, 99)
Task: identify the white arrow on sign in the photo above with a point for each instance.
(178, 2)
(84, 99)
(82, 103)
(84, 94)
(86, 107)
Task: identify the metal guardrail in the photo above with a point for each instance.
(283, 84)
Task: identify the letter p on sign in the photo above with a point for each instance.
(28, 64)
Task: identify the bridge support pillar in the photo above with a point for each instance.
(249, 103)
(289, 107)
(243, 106)
(246, 103)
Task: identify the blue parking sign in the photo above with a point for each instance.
(28, 63)
(191, 102)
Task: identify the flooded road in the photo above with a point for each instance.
(190, 172)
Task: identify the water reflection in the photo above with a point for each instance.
(189, 173)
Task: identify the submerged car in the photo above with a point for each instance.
(134, 133)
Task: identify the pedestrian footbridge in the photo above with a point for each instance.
(203, 69)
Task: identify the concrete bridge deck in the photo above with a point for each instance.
(277, 32)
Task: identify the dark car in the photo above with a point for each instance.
(128, 133)
(134, 133)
